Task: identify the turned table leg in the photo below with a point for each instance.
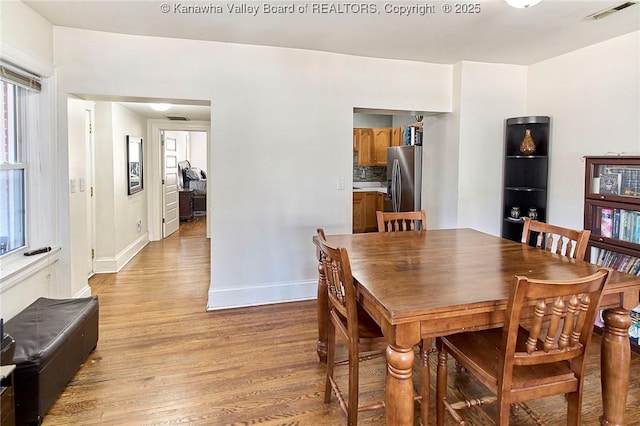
(614, 365)
(399, 391)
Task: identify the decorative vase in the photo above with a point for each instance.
(515, 212)
(527, 146)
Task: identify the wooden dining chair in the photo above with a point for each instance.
(401, 221)
(556, 239)
(530, 357)
(356, 329)
(351, 324)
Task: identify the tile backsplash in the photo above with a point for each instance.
(369, 174)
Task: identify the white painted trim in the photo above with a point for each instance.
(109, 265)
(85, 292)
(22, 267)
(261, 295)
(23, 60)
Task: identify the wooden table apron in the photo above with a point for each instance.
(419, 285)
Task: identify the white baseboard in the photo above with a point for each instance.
(108, 265)
(85, 292)
(261, 295)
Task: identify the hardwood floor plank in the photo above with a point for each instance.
(163, 359)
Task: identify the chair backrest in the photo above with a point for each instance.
(401, 221)
(562, 324)
(340, 286)
(564, 241)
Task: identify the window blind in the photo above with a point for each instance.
(18, 76)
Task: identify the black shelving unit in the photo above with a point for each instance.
(525, 176)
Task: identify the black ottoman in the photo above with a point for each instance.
(53, 338)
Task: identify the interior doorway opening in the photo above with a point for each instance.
(185, 178)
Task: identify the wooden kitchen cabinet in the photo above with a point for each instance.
(363, 143)
(371, 144)
(397, 136)
(381, 141)
(358, 212)
(365, 205)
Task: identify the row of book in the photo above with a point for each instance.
(618, 261)
(620, 224)
(412, 135)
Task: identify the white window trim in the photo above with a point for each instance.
(18, 267)
(40, 231)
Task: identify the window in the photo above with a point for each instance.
(19, 98)
(12, 171)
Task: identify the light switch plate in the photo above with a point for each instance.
(340, 183)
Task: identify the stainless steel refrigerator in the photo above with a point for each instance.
(404, 178)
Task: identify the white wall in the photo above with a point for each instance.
(198, 150)
(118, 238)
(275, 176)
(27, 32)
(593, 98)
(79, 242)
(489, 93)
(372, 120)
(26, 39)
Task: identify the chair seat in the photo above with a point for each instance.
(479, 350)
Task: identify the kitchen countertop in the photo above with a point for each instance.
(369, 187)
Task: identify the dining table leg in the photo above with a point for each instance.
(614, 364)
(399, 390)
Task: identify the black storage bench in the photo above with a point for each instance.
(53, 337)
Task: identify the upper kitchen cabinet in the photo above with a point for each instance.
(363, 145)
(371, 144)
(397, 136)
(381, 141)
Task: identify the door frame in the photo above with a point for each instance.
(89, 182)
(155, 169)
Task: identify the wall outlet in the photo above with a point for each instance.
(139, 225)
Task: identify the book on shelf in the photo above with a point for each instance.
(606, 222)
(620, 224)
(618, 261)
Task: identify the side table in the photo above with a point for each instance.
(7, 399)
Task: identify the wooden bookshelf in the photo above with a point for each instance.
(612, 213)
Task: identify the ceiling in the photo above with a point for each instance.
(491, 32)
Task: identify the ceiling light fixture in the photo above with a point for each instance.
(160, 107)
(521, 4)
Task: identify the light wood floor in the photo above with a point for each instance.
(163, 359)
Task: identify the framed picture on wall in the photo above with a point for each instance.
(134, 164)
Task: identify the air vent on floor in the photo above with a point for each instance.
(177, 118)
(609, 11)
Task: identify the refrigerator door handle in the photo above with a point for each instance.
(396, 189)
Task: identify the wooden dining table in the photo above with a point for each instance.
(423, 284)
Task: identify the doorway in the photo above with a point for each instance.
(193, 145)
(185, 177)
